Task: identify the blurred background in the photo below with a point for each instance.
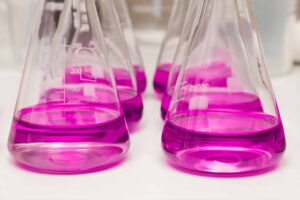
(278, 22)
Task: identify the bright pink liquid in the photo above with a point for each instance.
(132, 105)
(140, 78)
(161, 77)
(165, 104)
(62, 138)
(123, 78)
(224, 142)
(132, 102)
(215, 100)
(215, 74)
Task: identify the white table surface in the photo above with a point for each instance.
(145, 174)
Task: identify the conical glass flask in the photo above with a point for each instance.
(119, 59)
(68, 117)
(228, 128)
(132, 44)
(175, 28)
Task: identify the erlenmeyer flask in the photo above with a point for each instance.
(231, 128)
(132, 44)
(168, 48)
(119, 60)
(68, 117)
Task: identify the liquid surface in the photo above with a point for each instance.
(214, 75)
(213, 100)
(131, 102)
(60, 138)
(224, 142)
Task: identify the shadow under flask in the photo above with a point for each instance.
(232, 127)
(68, 117)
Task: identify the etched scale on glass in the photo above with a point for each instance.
(68, 117)
(223, 117)
(214, 74)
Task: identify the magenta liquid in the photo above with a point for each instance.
(123, 78)
(214, 100)
(132, 102)
(161, 77)
(85, 74)
(61, 138)
(223, 141)
(165, 104)
(132, 105)
(215, 74)
(140, 78)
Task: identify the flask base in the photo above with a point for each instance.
(68, 158)
(224, 162)
(224, 142)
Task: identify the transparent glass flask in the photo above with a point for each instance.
(220, 122)
(119, 60)
(191, 21)
(132, 44)
(68, 117)
(165, 60)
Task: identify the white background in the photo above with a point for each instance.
(145, 174)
